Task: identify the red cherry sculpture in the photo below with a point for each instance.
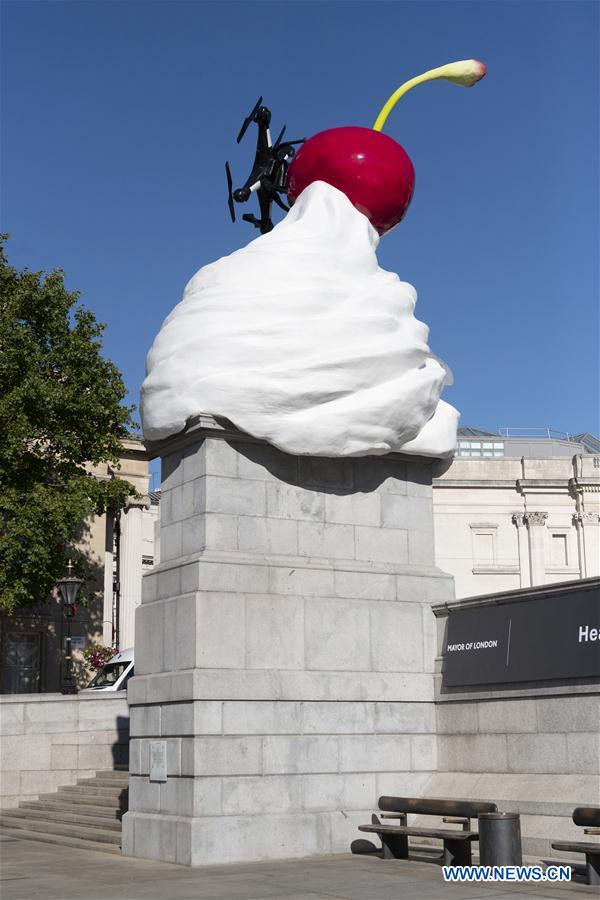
(370, 167)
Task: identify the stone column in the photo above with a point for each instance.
(589, 534)
(536, 531)
(130, 569)
(285, 650)
(107, 607)
(523, 547)
(580, 545)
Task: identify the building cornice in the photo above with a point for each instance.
(589, 485)
(520, 594)
(474, 482)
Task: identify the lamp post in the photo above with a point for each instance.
(69, 586)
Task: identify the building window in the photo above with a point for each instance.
(484, 543)
(559, 550)
(480, 448)
(483, 548)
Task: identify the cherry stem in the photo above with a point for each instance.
(466, 72)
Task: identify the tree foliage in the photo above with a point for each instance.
(61, 410)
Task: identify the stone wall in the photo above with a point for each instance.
(538, 756)
(49, 740)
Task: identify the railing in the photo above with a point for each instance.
(543, 432)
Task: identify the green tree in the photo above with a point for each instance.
(61, 409)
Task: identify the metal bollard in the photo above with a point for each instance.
(500, 839)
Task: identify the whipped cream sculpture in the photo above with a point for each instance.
(300, 338)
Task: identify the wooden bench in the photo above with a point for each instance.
(457, 842)
(588, 818)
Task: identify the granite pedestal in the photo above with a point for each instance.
(285, 648)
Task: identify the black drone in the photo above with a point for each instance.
(269, 176)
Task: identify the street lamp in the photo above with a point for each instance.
(69, 586)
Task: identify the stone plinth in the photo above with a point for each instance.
(284, 650)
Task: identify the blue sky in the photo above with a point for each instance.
(117, 118)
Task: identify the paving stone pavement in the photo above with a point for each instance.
(32, 869)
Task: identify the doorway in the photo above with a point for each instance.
(21, 662)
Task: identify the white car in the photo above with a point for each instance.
(114, 675)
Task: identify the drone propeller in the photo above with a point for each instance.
(230, 192)
(249, 119)
(278, 141)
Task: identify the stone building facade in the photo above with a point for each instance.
(514, 513)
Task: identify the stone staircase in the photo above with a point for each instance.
(87, 814)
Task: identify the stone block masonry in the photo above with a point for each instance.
(49, 740)
(284, 649)
(535, 755)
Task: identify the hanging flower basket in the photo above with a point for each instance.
(96, 656)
